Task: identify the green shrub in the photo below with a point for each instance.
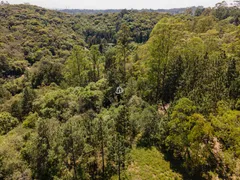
(30, 120)
(7, 122)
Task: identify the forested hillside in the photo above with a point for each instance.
(94, 11)
(128, 95)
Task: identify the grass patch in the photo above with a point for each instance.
(147, 164)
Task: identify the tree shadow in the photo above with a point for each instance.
(175, 164)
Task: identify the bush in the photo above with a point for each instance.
(30, 120)
(7, 123)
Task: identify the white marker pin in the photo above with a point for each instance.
(119, 90)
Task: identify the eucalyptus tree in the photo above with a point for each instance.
(164, 37)
(123, 46)
(77, 67)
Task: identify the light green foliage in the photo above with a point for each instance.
(40, 150)
(11, 164)
(123, 47)
(180, 124)
(30, 121)
(163, 37)
(227, 130)
(188, 137)
(75, 145)
(77, 68)
(149, 164)
(7, 122)
(4, 94)
(151, 127)
(56, 104)
(63, 104)
(204, 24)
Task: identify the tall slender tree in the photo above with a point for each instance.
(77, 67)
(123, 44)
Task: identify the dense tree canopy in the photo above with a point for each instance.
(177, 115)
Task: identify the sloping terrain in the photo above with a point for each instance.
(60, 114)
(150, 164)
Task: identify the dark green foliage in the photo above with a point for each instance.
(231, 72)
(234, 88)
(222, 11)
(106, 26)
(27, 100)
(151, 127)
(199, 11)
(16, 109)
(46, 72)
(4, 66)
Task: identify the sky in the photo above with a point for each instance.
(116, 4)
